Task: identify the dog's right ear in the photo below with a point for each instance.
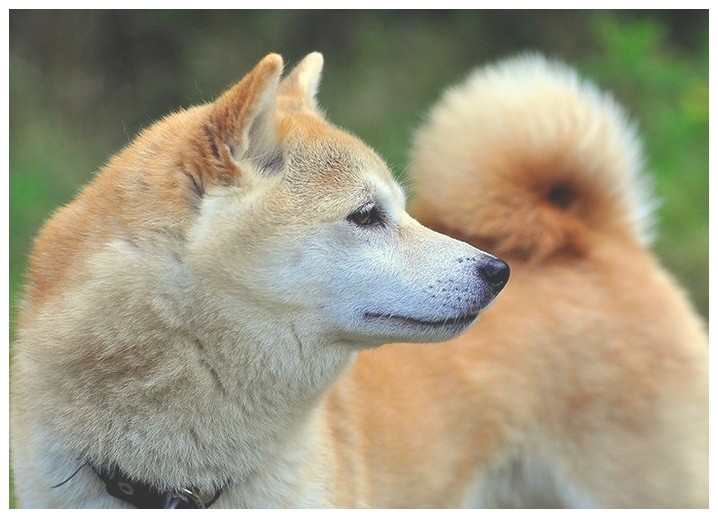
(241, 126)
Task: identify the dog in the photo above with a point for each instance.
(239, 367)
(187, 313)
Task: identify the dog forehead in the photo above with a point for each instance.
(322, 157)
(334, 158)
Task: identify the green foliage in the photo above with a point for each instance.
(667, 91)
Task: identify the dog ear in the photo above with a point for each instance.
(241, 125)
(302, 84)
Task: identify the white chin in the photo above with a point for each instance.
(405, 329)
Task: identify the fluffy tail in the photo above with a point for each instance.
(525, 158)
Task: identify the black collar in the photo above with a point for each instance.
(144, 496)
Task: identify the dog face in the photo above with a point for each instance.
(315, 234)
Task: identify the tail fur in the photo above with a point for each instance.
(525, 158)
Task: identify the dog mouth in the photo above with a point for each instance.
(459, 321)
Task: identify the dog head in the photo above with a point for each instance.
(304, 222)
(257, 210)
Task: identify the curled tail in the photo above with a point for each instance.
(525, 158)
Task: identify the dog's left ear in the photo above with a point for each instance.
(302, 84)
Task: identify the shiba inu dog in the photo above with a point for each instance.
(200, 323)
(187, 313)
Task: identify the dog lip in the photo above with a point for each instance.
(460, 320)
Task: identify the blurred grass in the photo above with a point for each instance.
(668, 91)
(82, 83)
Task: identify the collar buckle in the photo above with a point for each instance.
(189, 499)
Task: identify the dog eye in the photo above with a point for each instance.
(365, 216)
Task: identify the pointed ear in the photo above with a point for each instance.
(241, 125)
(303, 82)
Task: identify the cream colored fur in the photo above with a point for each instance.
(188, 311)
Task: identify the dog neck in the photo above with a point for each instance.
(263, 409)
(205, 410)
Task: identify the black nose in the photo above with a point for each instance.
(495, 272)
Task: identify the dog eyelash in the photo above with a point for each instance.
(365, 216)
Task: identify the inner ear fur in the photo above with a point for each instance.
(241, 126)
(301, 85)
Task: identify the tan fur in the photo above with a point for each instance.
(592, 362)
(194, 316)
(187, 312)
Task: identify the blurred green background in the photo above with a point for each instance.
(82, 83)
